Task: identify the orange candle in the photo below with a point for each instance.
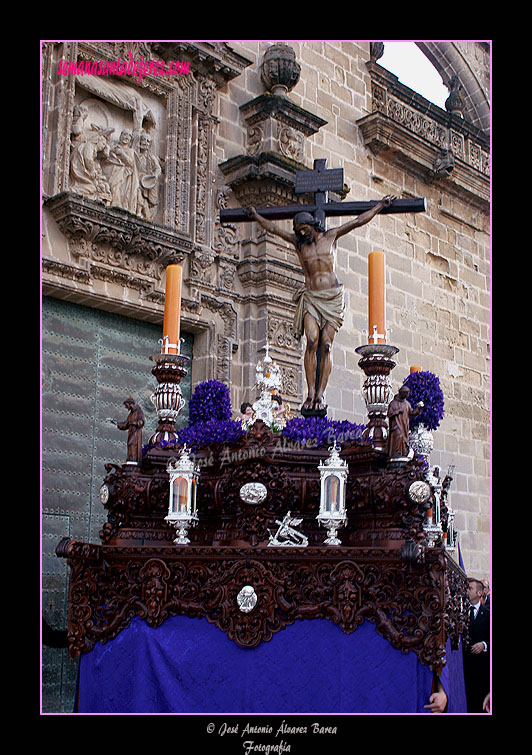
(415, 368)
(376, 297)
(172, 308)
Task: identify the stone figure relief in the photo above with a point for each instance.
(122, 96)
(149, 171)
(86, 172)
(123, 176)
(124, 172)
(79, 116)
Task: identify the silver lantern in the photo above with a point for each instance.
(332, 514)
(182, 512)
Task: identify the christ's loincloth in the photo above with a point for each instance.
(325, 306)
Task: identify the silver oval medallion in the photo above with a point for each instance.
(419, 491)
(253, 492)
(246, 599)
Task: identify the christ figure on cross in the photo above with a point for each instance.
(320, 302)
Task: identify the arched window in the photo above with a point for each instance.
(414, 70)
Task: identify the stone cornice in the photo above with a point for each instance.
(264, 272)
(80, 218)
(215, 59)
(410, 131)
(282, 109)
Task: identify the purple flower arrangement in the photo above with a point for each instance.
(425, 386)
(210, 422)
(321, 430)
(210, 417)
(214, 431)
(210, 401)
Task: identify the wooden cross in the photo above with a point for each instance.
(319, 182)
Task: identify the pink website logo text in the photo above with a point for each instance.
(124, 68)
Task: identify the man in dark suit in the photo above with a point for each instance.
(476, 650)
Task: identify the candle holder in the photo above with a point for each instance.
(169, 370)
(377, 363)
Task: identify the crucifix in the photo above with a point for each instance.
(374, 337)
(320, 302)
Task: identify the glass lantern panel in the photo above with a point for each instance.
(180, 495)
(332, 494)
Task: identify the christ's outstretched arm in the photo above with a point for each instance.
(364, 218)
(271, 227)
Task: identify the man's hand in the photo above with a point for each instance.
(252, 212)
(477, 648)
(437, 702)
(387, 200)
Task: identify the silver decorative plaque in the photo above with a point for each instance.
(253, 492)
(419, 492)
(246, 599)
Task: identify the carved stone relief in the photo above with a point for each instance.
(291, 142)
(255, 138)
(113, 155)
(466, 142)
(200, 269)
(223, 359)
(149, 169)
(280, 336)
(281, 333)
(291, 379)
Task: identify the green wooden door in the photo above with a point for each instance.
(91, 362)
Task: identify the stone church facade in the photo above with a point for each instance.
(143, 143)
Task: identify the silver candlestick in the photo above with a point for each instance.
(377, 363)
(169, 370)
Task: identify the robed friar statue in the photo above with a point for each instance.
(399, 412)
(320, 302)
(133, 423)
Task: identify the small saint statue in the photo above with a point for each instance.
(399, 412)
(133, 423)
